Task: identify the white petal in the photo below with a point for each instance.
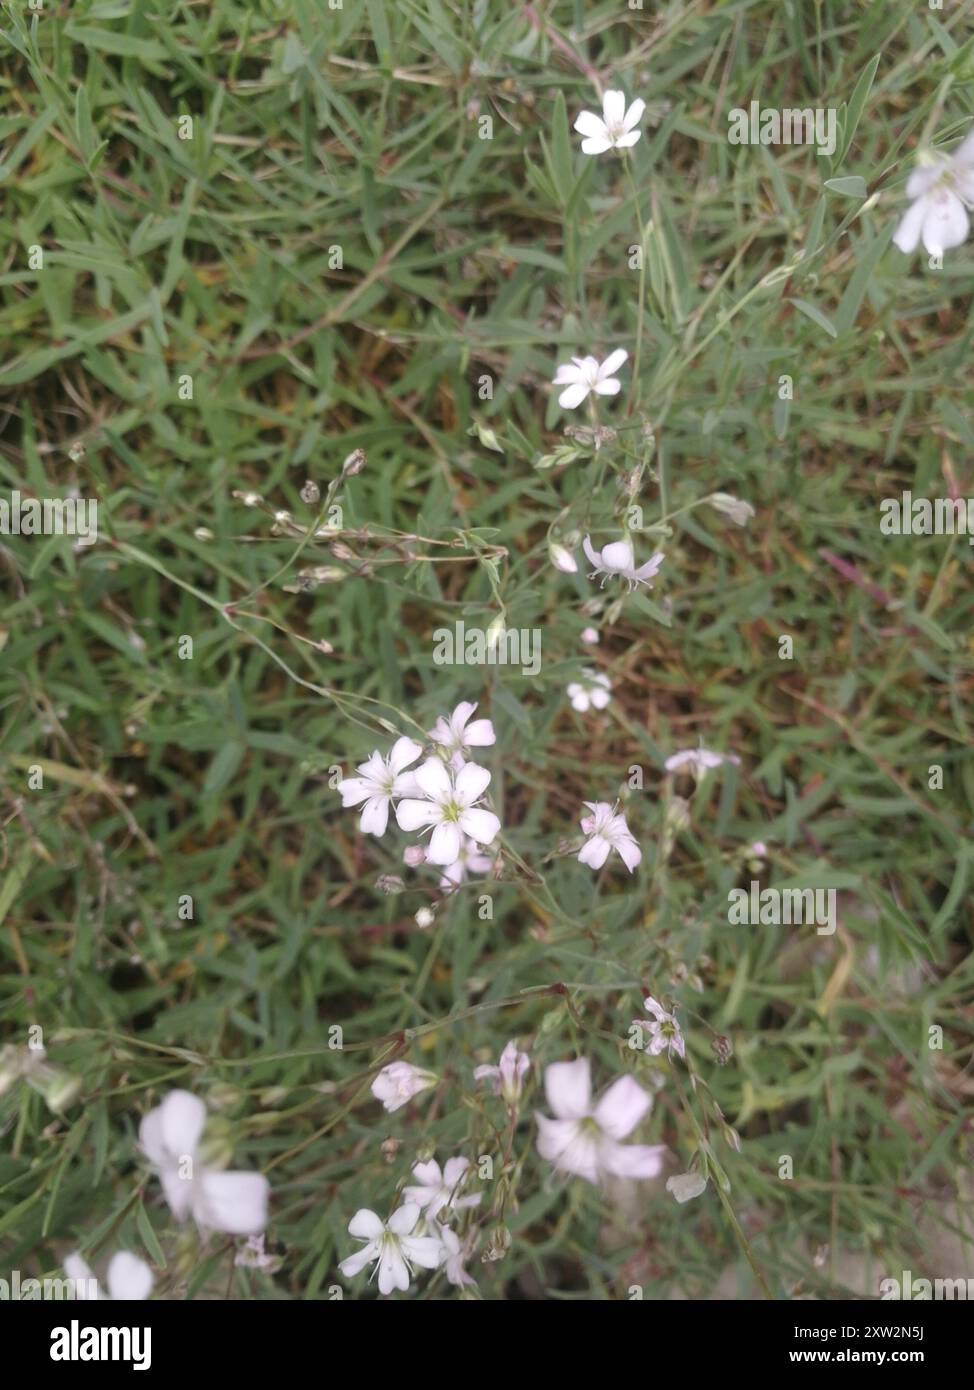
(403, 1219)
(596, 144)
(588, 123)
(567, 373)
(618, 556)
(568, 1087)
(946, 223)
(81, 1272)
(423, 1250)
(610, 387)
(366, 1225)
(393, 1273)
(404, 752)
(434, 780)
(629, 852)
(561, 1143)
(594, 852)
(128, 1277)
(444, 845)
(355, 789)
(613, 107)
(686, 1186)
(479, 734)
(429, 1174)
(375, 816)
(413, 815)
(631, 138)
(622, 1107)
(183, 1116)
(573, 396)
(635, 114)
(482, 826)
(471, 783)
(633, 1160)
(593, 557)
(613, 362)
(354, 1264)
(232, 1202)
(907, 234)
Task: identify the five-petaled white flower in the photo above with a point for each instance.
(607, 830)
(664, 1032)
(942, 191)
(508, 1077)
(391, 1247)
(169, 1136)
(615, 129)
(449, 806)
(381, 779)
(129, 1279)
(456, 735)
(397, 1083)
(697, 761)
(437, 1190)
(583, 375)
(584, 1138)
(592, 692)
(617, 560)
(469, 861)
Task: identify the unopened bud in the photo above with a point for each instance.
(355, 462)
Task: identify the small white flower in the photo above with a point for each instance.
(437, 1190)
(697, 761)
(508, 1076)
(617, 560)
(381, 779)
(607, 830)
(469, 861)
(449, 805)
(615, 129)
(252, 1255)
(456, 735)
(424, 918)
(129, 1279)
(584, 1139)
(397, 1083)
(391, 1247)
(664, 1031)
(169, 1136)
(590, 636)
(414, 855)
(740, 512)
(457, 1253)
(562, 559)
(686, 1186)
(583, 375)
(592, 692)
(942, 191)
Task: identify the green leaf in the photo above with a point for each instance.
(816, 316)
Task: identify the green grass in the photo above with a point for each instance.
(462, 258)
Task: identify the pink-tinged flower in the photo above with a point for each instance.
(942, 191)
(414, 855)
(437, 1191)
(381, 780)
(449, 806)
(697, 761)
(591, 692)
(397, 1083)
(508, 1077)
(617, 561)
(685, 1186)
(615, 129)
(457, 1253)
(129, 1279)
(456, 735)
(590, 636)
(664, 1031)
(562, 559)
(584, 1139)
(583, 375)
(169, 1136)
(391, 1247)
(607, 830)
(469, 861)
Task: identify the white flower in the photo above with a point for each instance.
(129, 1279)
(457, 1252)
(583, 375)
(584, 1139)
(696, 761)
(169, 1136)
(397, 1083)
(436, 1191)
(381, 779)
(424, 918)
(562, 559)
(252, 1255)
(391, 1247)
(449, 806)
(592, 692)
(615, 129)
(457, 735)
(664, 1031)
(469, 861)
(590, 635)
(508, 1076)
(942, 192)
(606, 831)
(686, 1186)
(617, 560)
